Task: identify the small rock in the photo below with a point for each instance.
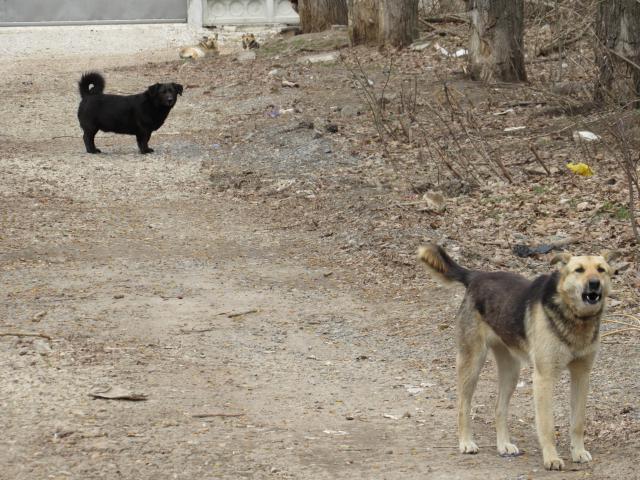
(583, 206)
(435, 201)
(349, 111)
(42, 347)
(329, 57)
(413, 389)
(419, 46)
(118, 296)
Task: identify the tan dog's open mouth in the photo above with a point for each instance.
(592, 294)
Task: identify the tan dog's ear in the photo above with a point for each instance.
(562, 258)
(609, 255)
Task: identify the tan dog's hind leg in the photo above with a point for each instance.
(580, 370)
(468, 365)
(543, 383)
(508, 373)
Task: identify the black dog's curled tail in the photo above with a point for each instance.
(442, 265)
(91, 83)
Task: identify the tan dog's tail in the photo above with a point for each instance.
(442, 265)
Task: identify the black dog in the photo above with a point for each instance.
(137, 115)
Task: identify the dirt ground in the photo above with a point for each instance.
(254, 278)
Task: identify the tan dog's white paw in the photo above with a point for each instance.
(508, 449)
(580, 456)
(468, 446)
(553, 463)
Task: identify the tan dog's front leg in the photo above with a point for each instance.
(543, 383)
(580, 370)
(469, 363)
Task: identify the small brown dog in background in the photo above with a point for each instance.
(249, 41)
(207, 47)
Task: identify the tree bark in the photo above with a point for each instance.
(618, 51)
(383, 22)
(364, 22)
(319, 15)
(399, 22)
(496, 46)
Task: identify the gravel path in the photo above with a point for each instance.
(260, 357)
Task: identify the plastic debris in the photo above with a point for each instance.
(335, 432)
(441, 50)
(580, 169)
(585, 136)
(273, 111)
(504, 112)
(461, 52)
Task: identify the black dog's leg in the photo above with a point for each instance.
(88, 137)
(143, 142)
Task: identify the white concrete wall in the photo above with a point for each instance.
(246, 12)
(195, 13)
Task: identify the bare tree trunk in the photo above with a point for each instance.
(383, 22)
(319, 15)
(496, 47)
(618, 51)
(364, 22)
(399, 22)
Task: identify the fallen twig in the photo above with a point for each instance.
(560, 43)
(238, 314)
(620, 330)
(628, 315)
(445, 19)
(538, 159)
(24, 334)
(201, 330)
(206, 415)
(622, 323)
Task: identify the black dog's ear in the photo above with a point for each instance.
(178, 88)
(152, 91)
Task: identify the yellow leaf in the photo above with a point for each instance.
(580, 169)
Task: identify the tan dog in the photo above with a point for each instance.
(249, 41)
(208, 46)
(553, 321)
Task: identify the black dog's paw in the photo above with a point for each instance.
(147, 150)
(96, 150)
